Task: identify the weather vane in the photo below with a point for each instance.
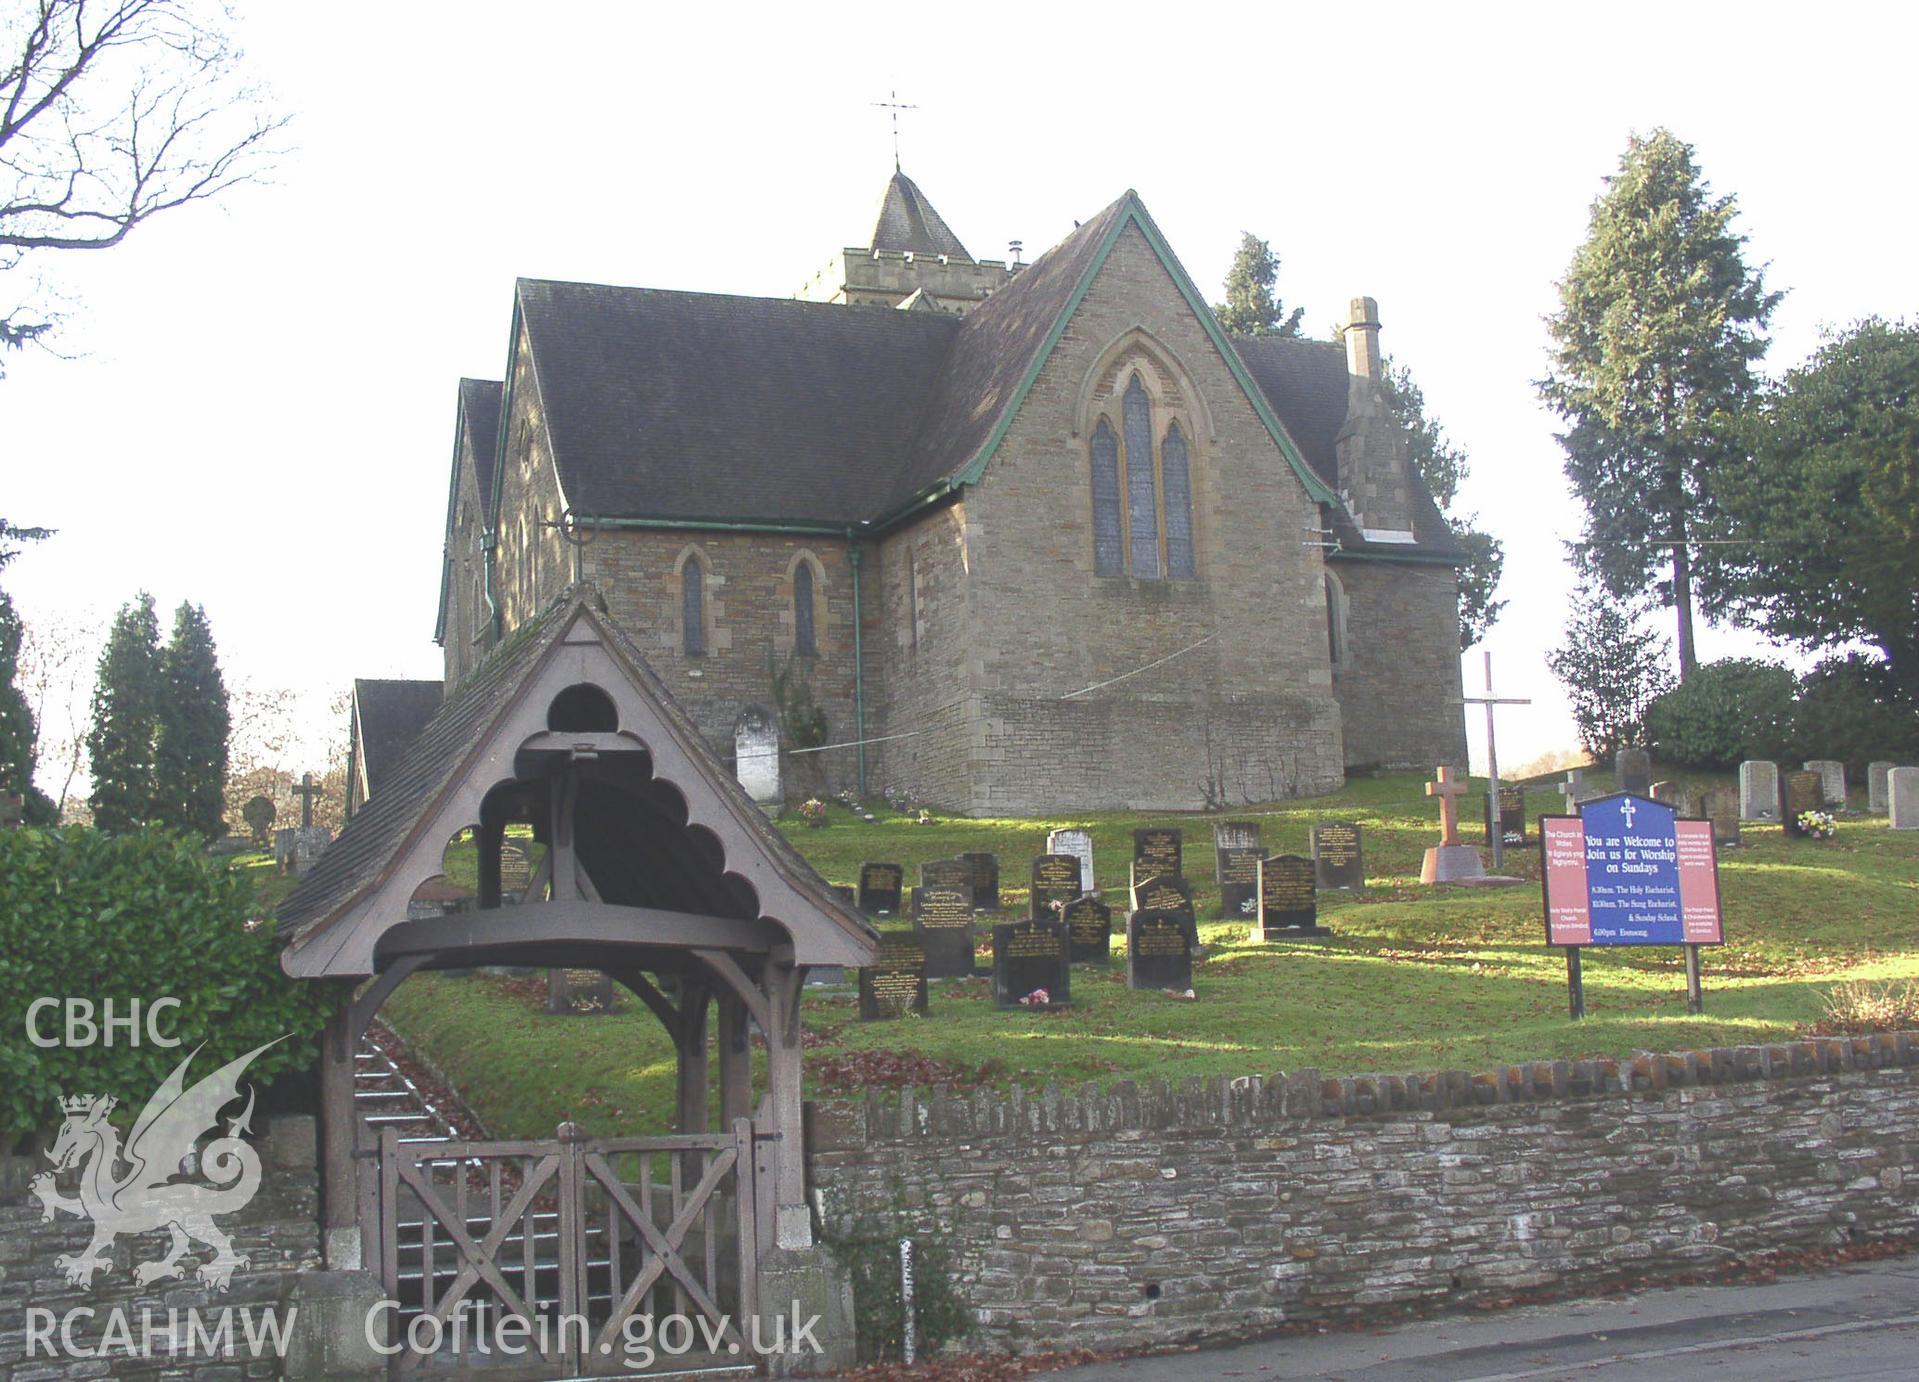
(895, 107)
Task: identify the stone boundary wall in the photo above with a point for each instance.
(1159, 1215)
(277, 1232)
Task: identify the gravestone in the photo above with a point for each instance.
(1799, 793)
(1902, 798)
(1632, 772)
(895, 983)
(1512, 815)
(1876, 797)
(1089, 931)
(1079, 844)
(1676, 795)
(1449, 861)
(1288, 903)
(1720, 805)
(298, 849)
(258, 813)
(1158, 955)
(515, 874)
(1832, 781)
(1575, 789)
(1055, 883)
(943, 925)
(1030, 957)
(756, 754)
(985, 880)
(1238, 867)
(1758, 790)
(880, 889)
(948, 873)
(1156, 850)
(578, 993)
(1160, 893)
(1338, 857)
(847, 893)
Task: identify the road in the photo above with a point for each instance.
(1855, 1322)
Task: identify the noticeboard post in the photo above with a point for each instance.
(1629, 871)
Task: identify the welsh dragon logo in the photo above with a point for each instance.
(145, 1195)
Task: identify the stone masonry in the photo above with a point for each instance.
(1153, 1217)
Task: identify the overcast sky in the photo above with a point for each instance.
(259, 417)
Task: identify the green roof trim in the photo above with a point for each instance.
(1135, 214)
(1417, 558)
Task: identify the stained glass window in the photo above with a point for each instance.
(1177, 482)
(693, 607)
(1142, 489)
(1109, 540)
(803, 610)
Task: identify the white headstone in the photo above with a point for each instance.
(756, 754)
(1758, 790)
(1832, 779)
(1902, 797)
(1876, 785)
(1079, 844)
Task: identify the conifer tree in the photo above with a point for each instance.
(126, 711)
(1611, 671)
(190, 743)
(1659, 327)
(1252, 306)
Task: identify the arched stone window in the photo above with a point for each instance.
(693, 606)
(1140, 449)
(1335, 619)
(805, 640)
(1109, 527)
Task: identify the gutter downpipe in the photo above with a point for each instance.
(859, 662)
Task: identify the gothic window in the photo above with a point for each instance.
(1109, 542)
(804, 642)
(693, 607)
(1335, 619)
(1148, 533)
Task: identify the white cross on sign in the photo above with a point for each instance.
(1626, 809)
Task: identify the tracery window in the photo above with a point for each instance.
(693, 607)
(804, 639)
(1142, 493)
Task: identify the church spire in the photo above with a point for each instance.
(909, 224)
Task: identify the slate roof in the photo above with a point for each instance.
(908, 223)
(480, 407)
(390, 715)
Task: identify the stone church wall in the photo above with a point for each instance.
(1398, 679)
(749, 631)
(532, 563)
(1258, 694)
(463, 642)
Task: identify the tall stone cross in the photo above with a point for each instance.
(1489, 700)
(1449, 792)
(306, 791)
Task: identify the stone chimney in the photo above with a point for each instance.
(1372, 448)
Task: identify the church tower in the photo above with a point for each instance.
(912, 261)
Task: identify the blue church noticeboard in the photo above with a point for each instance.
(1628, 871)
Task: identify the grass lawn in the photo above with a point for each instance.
(1414, 979)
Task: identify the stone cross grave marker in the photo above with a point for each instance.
(1030, 960)
(1089, 931)
(1079, 844)
(578, 993)
(1902, 798)
(1449, 861)
(1236, 855)
(1158, 955)
(1876, 797)
(1758, 790)
(1832, 780)
(308, 791)
(1511, 826)
(880, 889)
(895, 983)
(1720, 805)
(1799, 793)
(985, 879)
(1339, 859)
(943, 924)
(1055, 883)
(1575, 790)
(258, 813)
(756, 754)
(1156, 850)
(1288, 902)
(1632, 772)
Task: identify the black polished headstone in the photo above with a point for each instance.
(1055, 883)
(985, 880)
(1288, 902)
(1512, 815)
(1089, 931)
(1339, 858)
(1158, 955)
(943, 922)
(1158, 893)
(1156, 850)
(880, 889)
(1799, 793)
(895, 983)
(1030, 956)
(1238, 867)
(578, 992)
(1632, 772)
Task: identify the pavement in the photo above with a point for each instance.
(1859, 1321)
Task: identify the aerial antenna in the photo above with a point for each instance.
(895, 106)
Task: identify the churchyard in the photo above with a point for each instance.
(1411, 977)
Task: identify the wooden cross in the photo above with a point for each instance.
(895, 107)
(1489, 700)
(306, 791)
(1448, 792)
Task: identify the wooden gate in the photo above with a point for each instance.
(566, 1257)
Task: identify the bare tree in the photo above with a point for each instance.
(58, 655)
(111, 112)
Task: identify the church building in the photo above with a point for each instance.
(1006, 538)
